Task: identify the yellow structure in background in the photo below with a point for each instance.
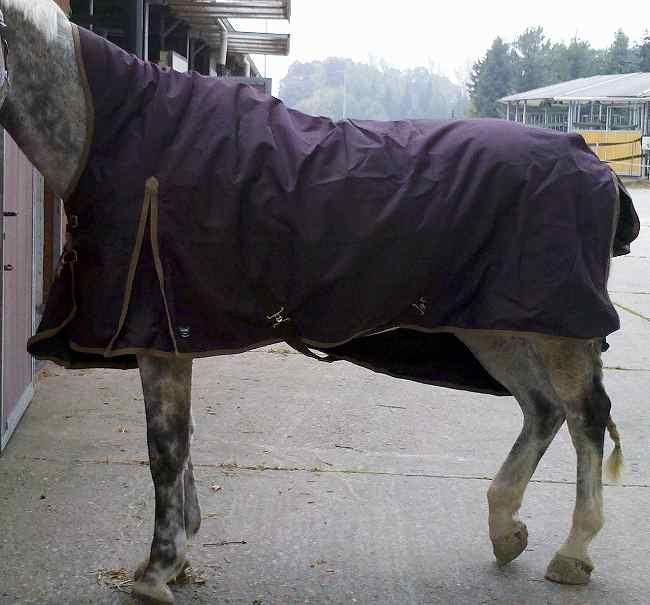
(611, 144)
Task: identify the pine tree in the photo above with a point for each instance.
(533, 60)
(619, 56)
(491, 79)
(559, 64)
(644, 53)
(581, 58)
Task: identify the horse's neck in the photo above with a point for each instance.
(45, 110)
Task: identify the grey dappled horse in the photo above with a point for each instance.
(554, 379)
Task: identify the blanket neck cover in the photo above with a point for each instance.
(209, 218)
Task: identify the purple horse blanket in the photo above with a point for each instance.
(209, 218)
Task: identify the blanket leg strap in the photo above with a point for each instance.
(283, 325)
(296, 344)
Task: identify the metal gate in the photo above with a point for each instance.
(621, 149)
(17, 305)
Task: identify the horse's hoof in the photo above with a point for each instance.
(139, 570)
(157, 594)
(565, 570)
(508, 547)
(179, 578)
(183, 577)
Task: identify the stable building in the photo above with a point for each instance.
(188, 34)
(612, 113)
(177, 34)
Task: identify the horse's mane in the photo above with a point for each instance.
(42, 13)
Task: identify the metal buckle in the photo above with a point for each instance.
(69, 257)
(65, 257)
(278, 318)
(420, 306)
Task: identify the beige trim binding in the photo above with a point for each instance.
(169, 354)
(152, 188)
(90, 130)
(90, 111)
(135, 258)
(321, 346)
(54, 331)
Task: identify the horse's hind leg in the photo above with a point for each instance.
(515, 362)
(553, 378)
(579, 380)
(166, 385)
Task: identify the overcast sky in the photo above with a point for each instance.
(450, 35)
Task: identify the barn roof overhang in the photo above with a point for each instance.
(234, 9)
(565, 101)
(209, 21)
(640, 99)
(247, 42)
(613, 88)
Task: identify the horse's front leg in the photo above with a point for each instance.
(166, 384)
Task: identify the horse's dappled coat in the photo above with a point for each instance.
(207, 213)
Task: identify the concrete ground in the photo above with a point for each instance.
(320, 484)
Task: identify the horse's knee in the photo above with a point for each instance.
(166, 460)
(168, 439)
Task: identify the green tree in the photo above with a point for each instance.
(491, 79)
(559, 63)
(581, 59)
(644, 53)
(532, 61)
(533, 53)
(301, 76)
(620, 58)
(600, 64)
(340, 88)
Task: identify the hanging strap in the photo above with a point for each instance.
(283, 325)
(298, 345)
